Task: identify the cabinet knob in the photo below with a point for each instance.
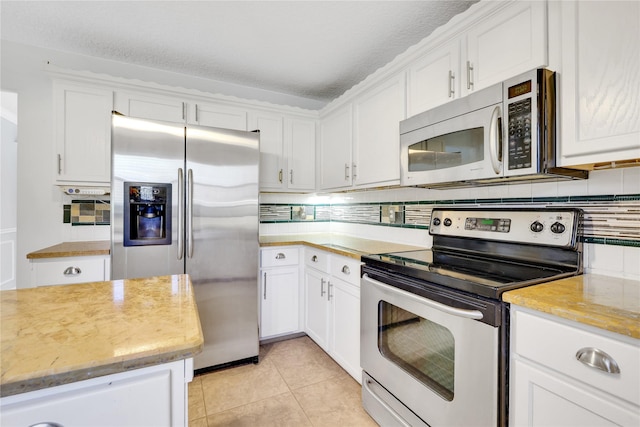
(72, 271)
(280, 256)
(598, 359)
(314, 258)
(346, 270)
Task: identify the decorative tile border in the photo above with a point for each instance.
(608, 219)
(87, 212)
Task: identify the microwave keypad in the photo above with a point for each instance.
(520, 134)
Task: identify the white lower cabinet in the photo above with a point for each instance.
(70, 270)
(550, 386)
(332, 307)
(279, 292)
(152, 396)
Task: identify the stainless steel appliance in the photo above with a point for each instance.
(434, 331)
(506, 132)
(184, 199)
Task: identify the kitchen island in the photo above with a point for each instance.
(80, 353)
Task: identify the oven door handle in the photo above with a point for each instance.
(459, 312)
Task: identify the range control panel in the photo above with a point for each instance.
(553, 227)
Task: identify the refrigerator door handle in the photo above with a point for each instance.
(180, 213)
(190, 213)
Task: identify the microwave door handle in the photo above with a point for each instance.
(495, 141)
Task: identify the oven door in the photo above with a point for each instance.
(463, 148)
(438, 361)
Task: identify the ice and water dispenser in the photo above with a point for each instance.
(147, 214)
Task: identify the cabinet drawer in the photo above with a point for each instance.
(347, 269)
(555, 344)
(62, 271)
(279, 256)
(315, 258)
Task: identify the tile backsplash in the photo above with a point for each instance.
(608, 219)
(87, 212)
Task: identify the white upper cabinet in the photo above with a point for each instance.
(216, 115)
(599, 62)
(300, 146)
(82, 132)
(376, 140)
(506, 43)
(151, 106)
(272, 162)
(434, 79)
(287, 151)
(336, 136)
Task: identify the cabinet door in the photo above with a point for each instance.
(317, 307)
(153, 396)
(345, 326)
(599, 82)
(300, 139)
(218, 116)
(153, 107)
(434, 79)
(507, 43)
(279, 307)
(377, 136)
(336, 136)
(82, 132)
(272, 165)
(542, 398)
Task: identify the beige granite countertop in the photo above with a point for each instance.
(608, 303)
(55, 335)
(340, 244)
(70, 249)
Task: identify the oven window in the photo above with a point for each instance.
(446, 151)
(422, 348)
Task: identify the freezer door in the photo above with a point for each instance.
(145, 153)
(222, 240)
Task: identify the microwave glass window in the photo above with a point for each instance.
(447, 151)
(420, 347)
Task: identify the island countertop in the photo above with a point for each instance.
(54, 335)
(608, 303)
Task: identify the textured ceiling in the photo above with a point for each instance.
(311, 49)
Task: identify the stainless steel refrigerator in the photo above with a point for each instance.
(184, 199)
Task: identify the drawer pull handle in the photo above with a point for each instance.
(280, 256)
(314, 258)
(345, 269)
(72, 271)
(46, 424)
(598, 359)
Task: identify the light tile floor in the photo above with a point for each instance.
(295, 384)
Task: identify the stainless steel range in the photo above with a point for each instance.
(434, 330)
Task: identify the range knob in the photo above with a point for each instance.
(436, 221)
(537, 227)
(447, 222)
(557, 228)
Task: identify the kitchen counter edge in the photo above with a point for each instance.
(72, 249)
(604, 302)
(339, 244)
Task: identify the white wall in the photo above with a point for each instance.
(8, 189)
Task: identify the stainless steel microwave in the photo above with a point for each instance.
(504, 133)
